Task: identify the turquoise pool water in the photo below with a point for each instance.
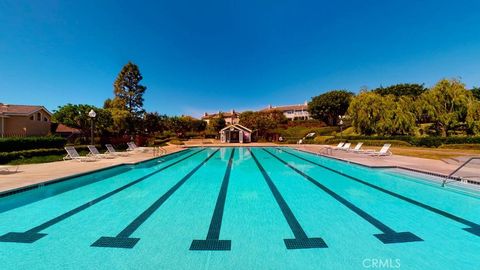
(241, 208)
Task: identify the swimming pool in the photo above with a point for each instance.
(240, 208)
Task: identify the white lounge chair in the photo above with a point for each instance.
(133, 147)
(8, 168)
(383, 152)
(358, 148)
(112, 151)
(339, 145)
(95, 153)
(345, 147)
(73, 155)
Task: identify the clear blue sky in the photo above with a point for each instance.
(199, 56)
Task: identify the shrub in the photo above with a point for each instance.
(321, 139)
(28, 143)
(176, 142)
(6, 157)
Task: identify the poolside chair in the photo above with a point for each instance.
(8, 168)
(95, 153)
(112, 151)
(383, 152)
(357, 149)
(133, 147)
(345, 147)
(73, 155)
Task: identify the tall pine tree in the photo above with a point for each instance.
(128, 95)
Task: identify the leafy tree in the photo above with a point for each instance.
(372, 113)
(216, 124)
(446, 104)
(128, 90)
(128, 97)
(328, 106)
(476, 92)
(76, 116)
(261, 122)
(473, 117)
(404, 89)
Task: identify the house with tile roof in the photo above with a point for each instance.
(291, 112)
(24, 120)
(230, 117)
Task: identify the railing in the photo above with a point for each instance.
(445, 181)
(159, 151)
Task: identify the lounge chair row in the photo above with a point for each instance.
(94, 154)
(385, 151)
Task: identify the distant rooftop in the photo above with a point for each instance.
(10, 109)
(287, 107)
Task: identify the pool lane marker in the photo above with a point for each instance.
(301, 240)
(213, 242)
(123, 239)
(474, 227)
(388, 235)
(34, 234)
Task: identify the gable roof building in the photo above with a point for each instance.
(230, 117)
(291, 112)
(24, 120)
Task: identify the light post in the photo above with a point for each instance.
(340, 123)
(92, 115)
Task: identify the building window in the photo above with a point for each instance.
(39, 117)
(45, 119)
(32, 117)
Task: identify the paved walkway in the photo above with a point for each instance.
(37, 173)
(421, 164)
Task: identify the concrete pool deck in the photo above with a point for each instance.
(432, 166)
(31, 174)
(38, 173)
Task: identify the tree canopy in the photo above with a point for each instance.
(76, 116)
(476, 92)
(448, 107)
(446, 104)
(127, 105)
(403, 89)
(328, 106)
(262, 121)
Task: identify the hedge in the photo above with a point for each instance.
(28, 143)
(415, 141)
(6, 157)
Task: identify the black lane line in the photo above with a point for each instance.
(34, 234)
(474, 227)
(123, 239)
(301, 239)
(388, 236)
(212, 241)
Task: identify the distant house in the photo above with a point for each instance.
(66, 131)
(230, 117)
(291, 112)
(24, 120)
(235, 134)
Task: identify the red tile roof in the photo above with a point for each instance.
(61, 128)
(7, 109)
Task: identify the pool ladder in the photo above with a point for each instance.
(159, 151)
(445, 181)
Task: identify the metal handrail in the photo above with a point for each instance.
(458, 169)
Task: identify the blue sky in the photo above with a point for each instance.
(199, 56)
